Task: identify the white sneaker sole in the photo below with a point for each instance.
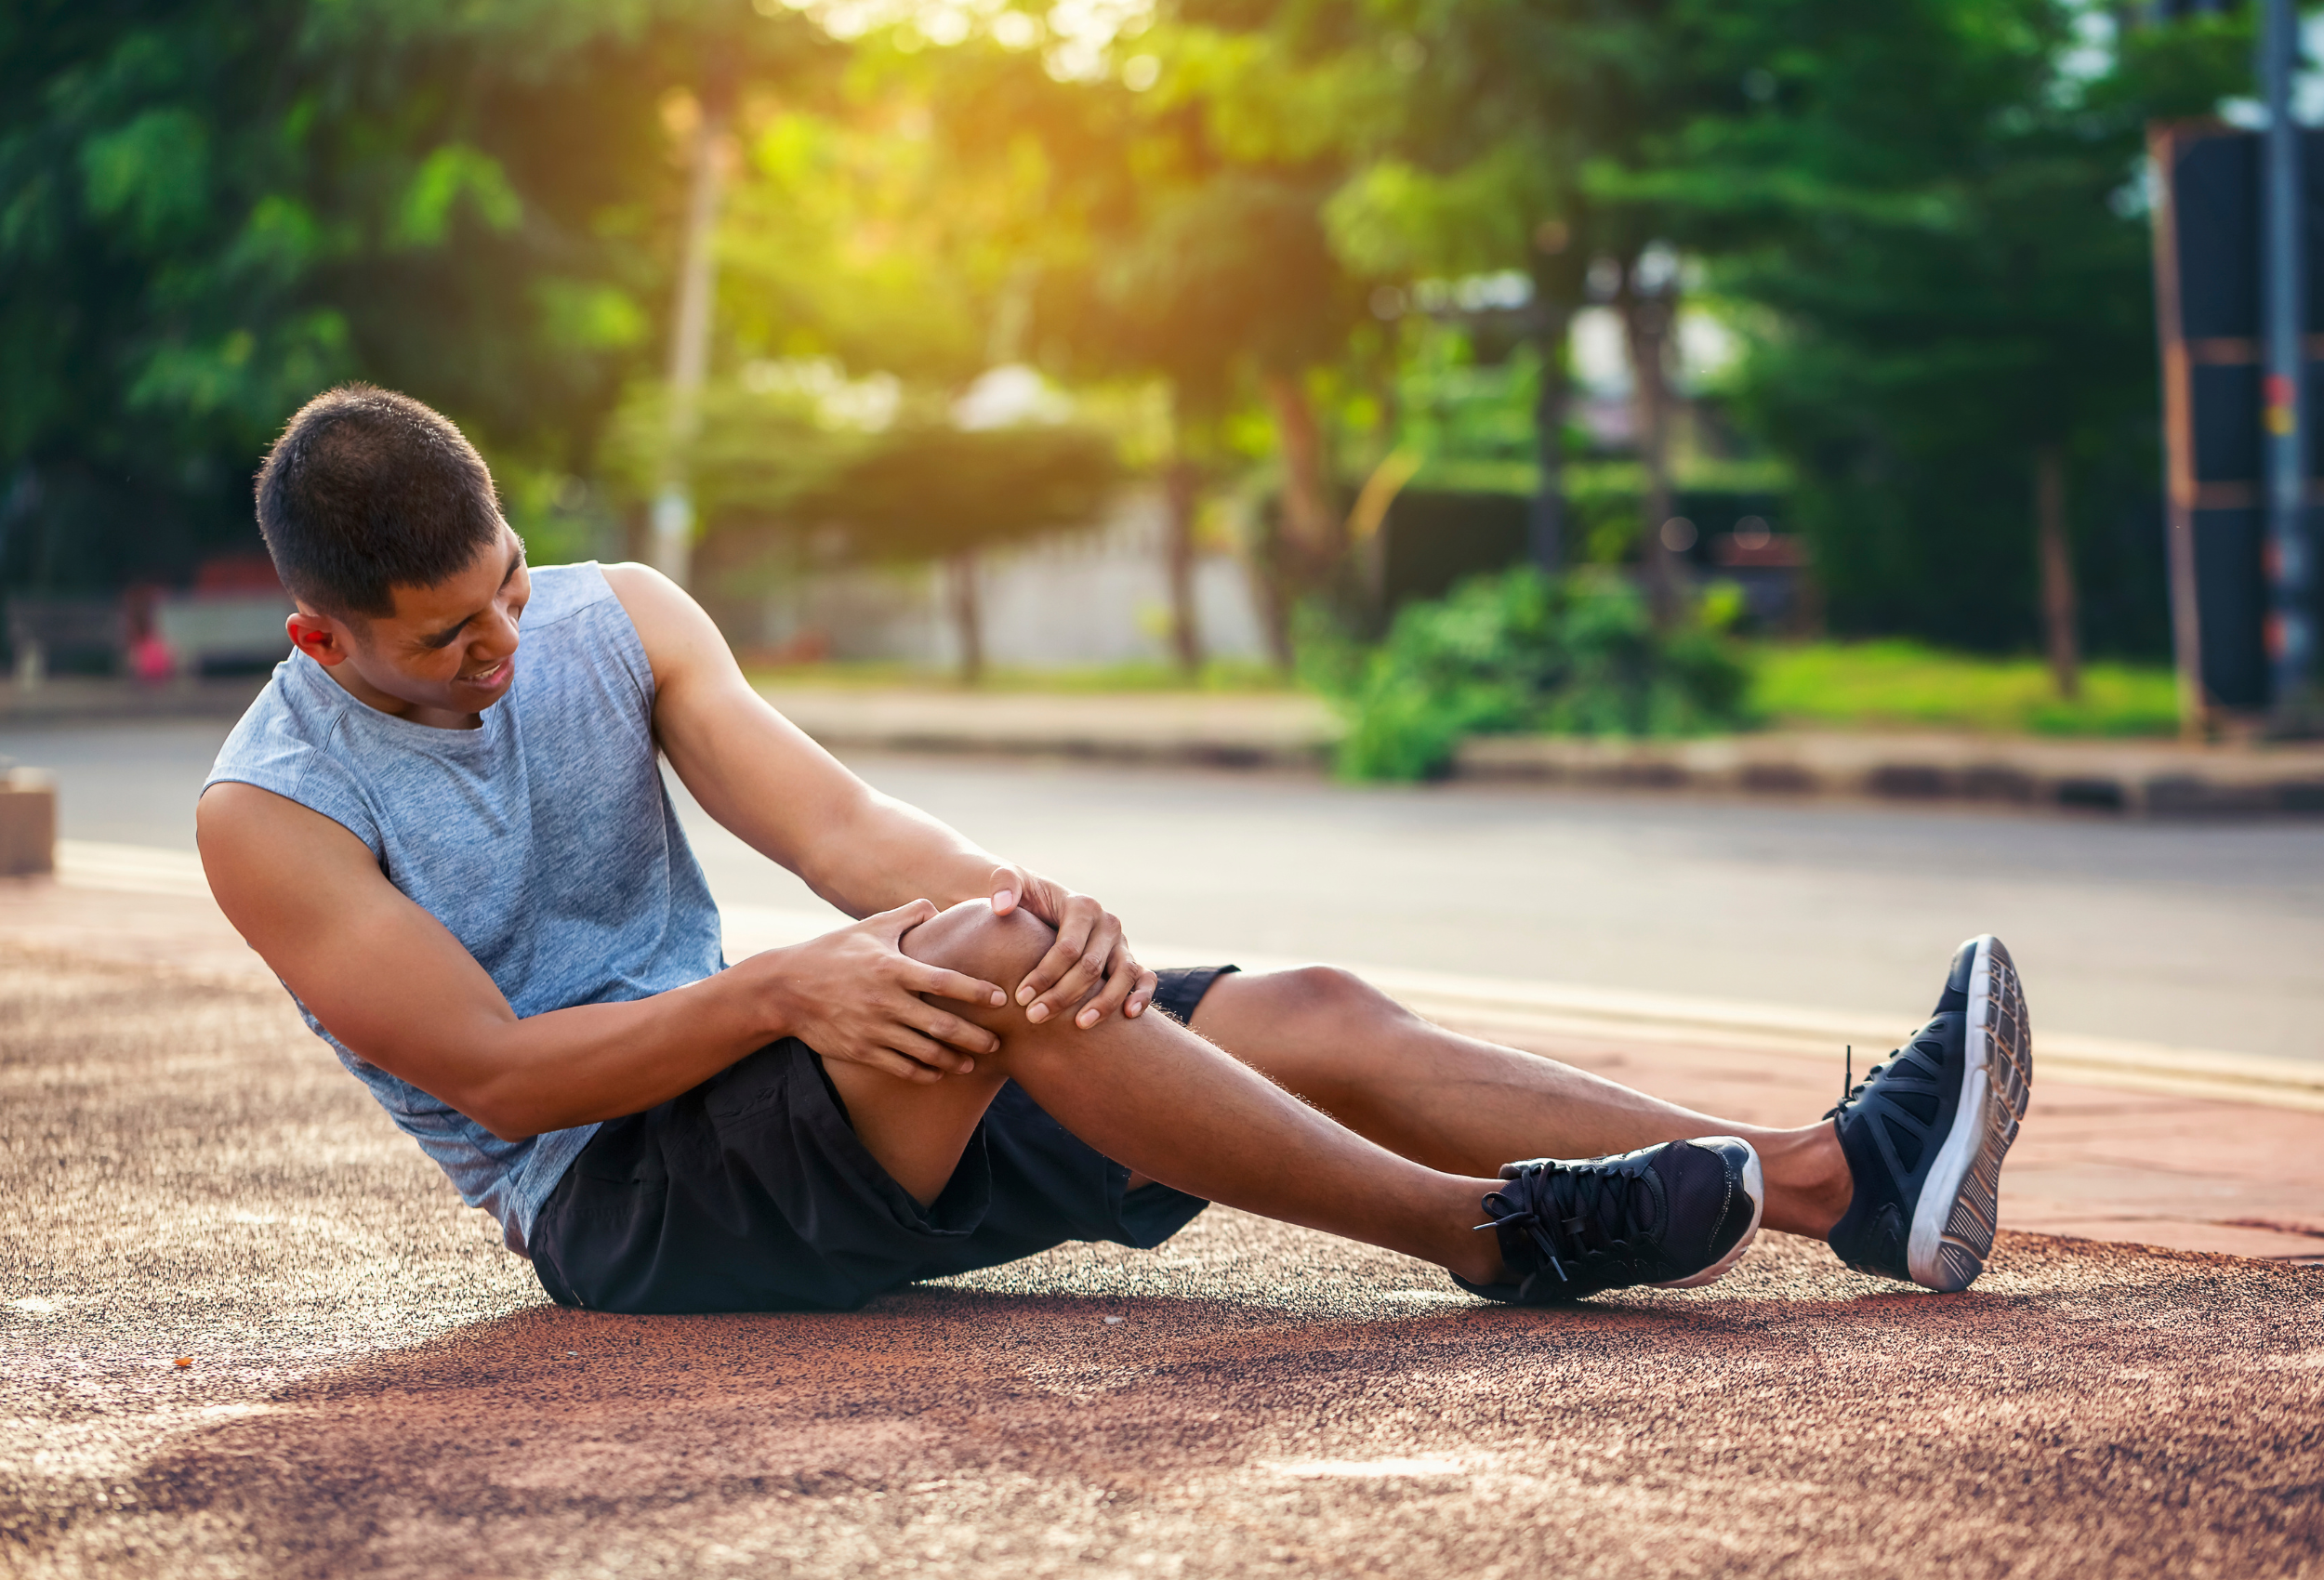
(1755, 1187)
(1960, 1205)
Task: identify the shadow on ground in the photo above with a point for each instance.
(375, 1387)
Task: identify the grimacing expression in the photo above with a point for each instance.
(450, 647)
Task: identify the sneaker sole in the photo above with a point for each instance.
(1954, 1222)
(1754, 1186)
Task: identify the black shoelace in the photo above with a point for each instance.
(1571, 1215)
(1850, 1088)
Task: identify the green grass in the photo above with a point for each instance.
(1877, 685)
(1888, 684)
(1218, 675)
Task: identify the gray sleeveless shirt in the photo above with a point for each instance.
(543, 841)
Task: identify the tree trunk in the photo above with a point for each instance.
(2058, 603)
(1310, 530)
(1181, 492)
(1545, 534)
(1647, 319)
(968, 615)
(1305, 534)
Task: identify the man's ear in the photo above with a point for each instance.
(319, 636)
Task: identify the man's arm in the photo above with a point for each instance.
(760, 776)
(398, 989)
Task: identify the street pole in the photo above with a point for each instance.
(2291, 626)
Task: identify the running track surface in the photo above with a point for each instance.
(375, 1387)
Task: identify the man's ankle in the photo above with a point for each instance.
(1808, 1183)
(1472, 1253)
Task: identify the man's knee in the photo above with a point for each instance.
(1326, 1000)
(969, 938)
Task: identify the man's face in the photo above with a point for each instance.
(445, 654)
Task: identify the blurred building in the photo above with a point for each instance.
(1093, 595)
(229, 621)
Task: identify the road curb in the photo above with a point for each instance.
(1286, 730)
(2139, 778)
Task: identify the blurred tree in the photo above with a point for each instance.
(821, 472)
(1237, 259)
(1201, 260)
(1230, 277)
(1942, 219)
(925, 491)
(1939, 215)
(1469, 127)
(1000, 213)
(1468, 144)
(900, 229)
(754, 458)
(209, 212)
(919, 489)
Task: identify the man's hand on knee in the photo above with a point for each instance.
(854, 994)
(1090, 963)
(986, 942)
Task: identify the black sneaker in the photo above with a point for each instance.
(1673, 1216)
(1926, 1131)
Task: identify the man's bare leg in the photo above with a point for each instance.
(1466, 1107)
(1160, 1099)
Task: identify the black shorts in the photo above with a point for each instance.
(751, 1194)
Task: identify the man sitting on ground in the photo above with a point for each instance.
(471, 880)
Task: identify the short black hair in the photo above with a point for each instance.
(368, 491)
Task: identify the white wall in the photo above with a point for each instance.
(1096, 595)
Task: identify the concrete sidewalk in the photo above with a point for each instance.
(2189, 1149)
(1291, 728)
(79, 699)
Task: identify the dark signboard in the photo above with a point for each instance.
(2208, 291)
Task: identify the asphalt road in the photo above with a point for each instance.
(2204, 935)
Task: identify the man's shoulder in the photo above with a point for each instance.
(290, 745)
(584, 627)
(674, 636)
(297, 712)
(640, 590)
(561, 591)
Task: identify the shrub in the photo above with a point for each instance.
(1571, 655)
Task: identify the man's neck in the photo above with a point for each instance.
(372, 697)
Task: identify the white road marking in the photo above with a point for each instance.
(1484, 1003)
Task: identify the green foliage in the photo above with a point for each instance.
(1900, 683)
(1572, 656)
(450, 177)
(1232, 267)
(775, 466)
(1463, 416)
(210, 211)
(755, 458)
(1929, 214)
(922, 491)
(1394, 220)
(1926, 214)
(1943, 226)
